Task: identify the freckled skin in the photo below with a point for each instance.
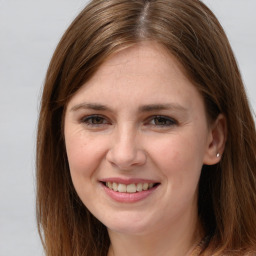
(128, 143)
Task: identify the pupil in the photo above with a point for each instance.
(97, 120)
(160, 121)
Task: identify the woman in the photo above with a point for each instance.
(146, 143)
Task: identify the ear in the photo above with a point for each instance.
(216, 141)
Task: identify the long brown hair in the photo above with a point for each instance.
(191, 32)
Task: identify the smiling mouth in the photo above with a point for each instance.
(130, 188)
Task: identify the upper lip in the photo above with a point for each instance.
(127, 181)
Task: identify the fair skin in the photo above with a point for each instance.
(141, 124)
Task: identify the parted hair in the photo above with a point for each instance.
(190, 32)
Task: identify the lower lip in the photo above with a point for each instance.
(128, 197)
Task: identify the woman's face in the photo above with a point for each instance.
(136, 137)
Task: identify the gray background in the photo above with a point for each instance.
(29, 32)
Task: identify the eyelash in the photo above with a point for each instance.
(89, 120)
(164, 121)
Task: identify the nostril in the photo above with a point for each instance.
(125, 159)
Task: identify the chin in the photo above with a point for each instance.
(128, 224)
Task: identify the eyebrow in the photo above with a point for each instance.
(154, 107)
(93, 106)
(144, 108)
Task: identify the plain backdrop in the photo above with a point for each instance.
(29, 33)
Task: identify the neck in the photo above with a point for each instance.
(179, 240)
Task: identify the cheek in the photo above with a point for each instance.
(84, 154)
(179, 157)
(175, 149)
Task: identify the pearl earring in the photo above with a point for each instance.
(218, 155)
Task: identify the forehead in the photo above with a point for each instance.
(140, 59)
(144, 73)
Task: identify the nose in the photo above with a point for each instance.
(125, 151)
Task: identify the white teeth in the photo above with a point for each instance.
(121, 188)
(109, 184)
(130, 188)
(139, 187)
(114, 187)
(145, 186)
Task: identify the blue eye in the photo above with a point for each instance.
(162, 121)
(94, 120)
